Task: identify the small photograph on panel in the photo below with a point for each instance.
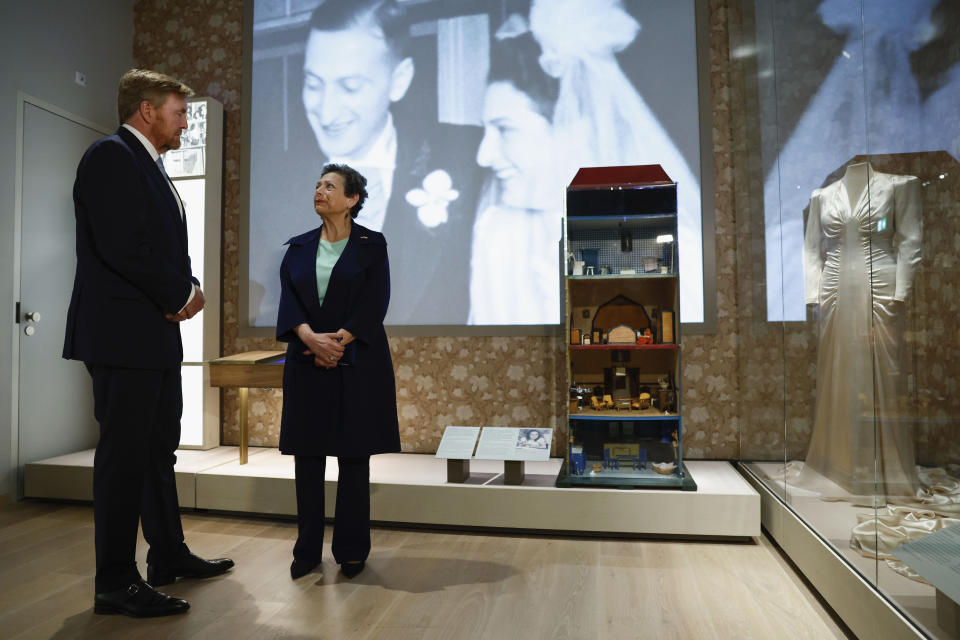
(533, 439)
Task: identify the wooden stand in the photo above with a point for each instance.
(458, 470)
(948, 614)
(242, 393)
(262, 369)
(513, 472)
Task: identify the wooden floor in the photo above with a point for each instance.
(418, 584)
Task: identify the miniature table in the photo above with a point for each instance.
(262, 369)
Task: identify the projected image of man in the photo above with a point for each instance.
(351, 75)
(356, 66)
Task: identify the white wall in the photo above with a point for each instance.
(42, 44)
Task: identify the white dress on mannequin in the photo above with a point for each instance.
(861, 248)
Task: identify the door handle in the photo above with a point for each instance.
(32, 316)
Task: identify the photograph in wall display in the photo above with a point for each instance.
(196, 134)
(188, 160)
(817, 96)
(468, 120)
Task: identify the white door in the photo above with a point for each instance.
(55, 398)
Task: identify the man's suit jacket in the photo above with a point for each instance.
(132, 261)
(430, 267)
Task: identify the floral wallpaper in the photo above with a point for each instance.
(747, 390)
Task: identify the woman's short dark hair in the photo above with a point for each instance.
(354, 184)
(516, 61)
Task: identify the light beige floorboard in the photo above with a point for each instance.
(419, 585)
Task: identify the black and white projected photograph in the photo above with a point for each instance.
(849, 79)
(468, 119)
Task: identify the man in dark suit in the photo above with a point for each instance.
(132, 287)
(422, 176)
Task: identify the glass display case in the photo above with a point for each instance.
(844, 220)
(622, 310)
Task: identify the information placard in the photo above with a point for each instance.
(511, 443)
(936, 557)
(458, 443)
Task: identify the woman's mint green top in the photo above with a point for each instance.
(327, 255)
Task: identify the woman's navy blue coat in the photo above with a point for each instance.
(348, 410)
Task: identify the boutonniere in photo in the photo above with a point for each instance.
(433, 198)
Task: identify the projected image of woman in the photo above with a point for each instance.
(514, 275)
(574, 108)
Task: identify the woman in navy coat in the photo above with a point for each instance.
(339, 395)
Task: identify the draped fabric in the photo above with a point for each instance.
(876, 533)
(935, 506)
(861, 251)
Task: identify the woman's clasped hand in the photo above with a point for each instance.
(327, 348)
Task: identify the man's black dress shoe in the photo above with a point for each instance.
(300, 568)
(190, 566)
(138, 600)
(352, 569)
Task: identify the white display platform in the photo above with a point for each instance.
(412, 489)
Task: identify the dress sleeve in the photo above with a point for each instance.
(907, 235)
(812, 256)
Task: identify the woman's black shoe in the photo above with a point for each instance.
(300, 568)
(352, 569)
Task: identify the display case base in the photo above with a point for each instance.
(649, 480)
